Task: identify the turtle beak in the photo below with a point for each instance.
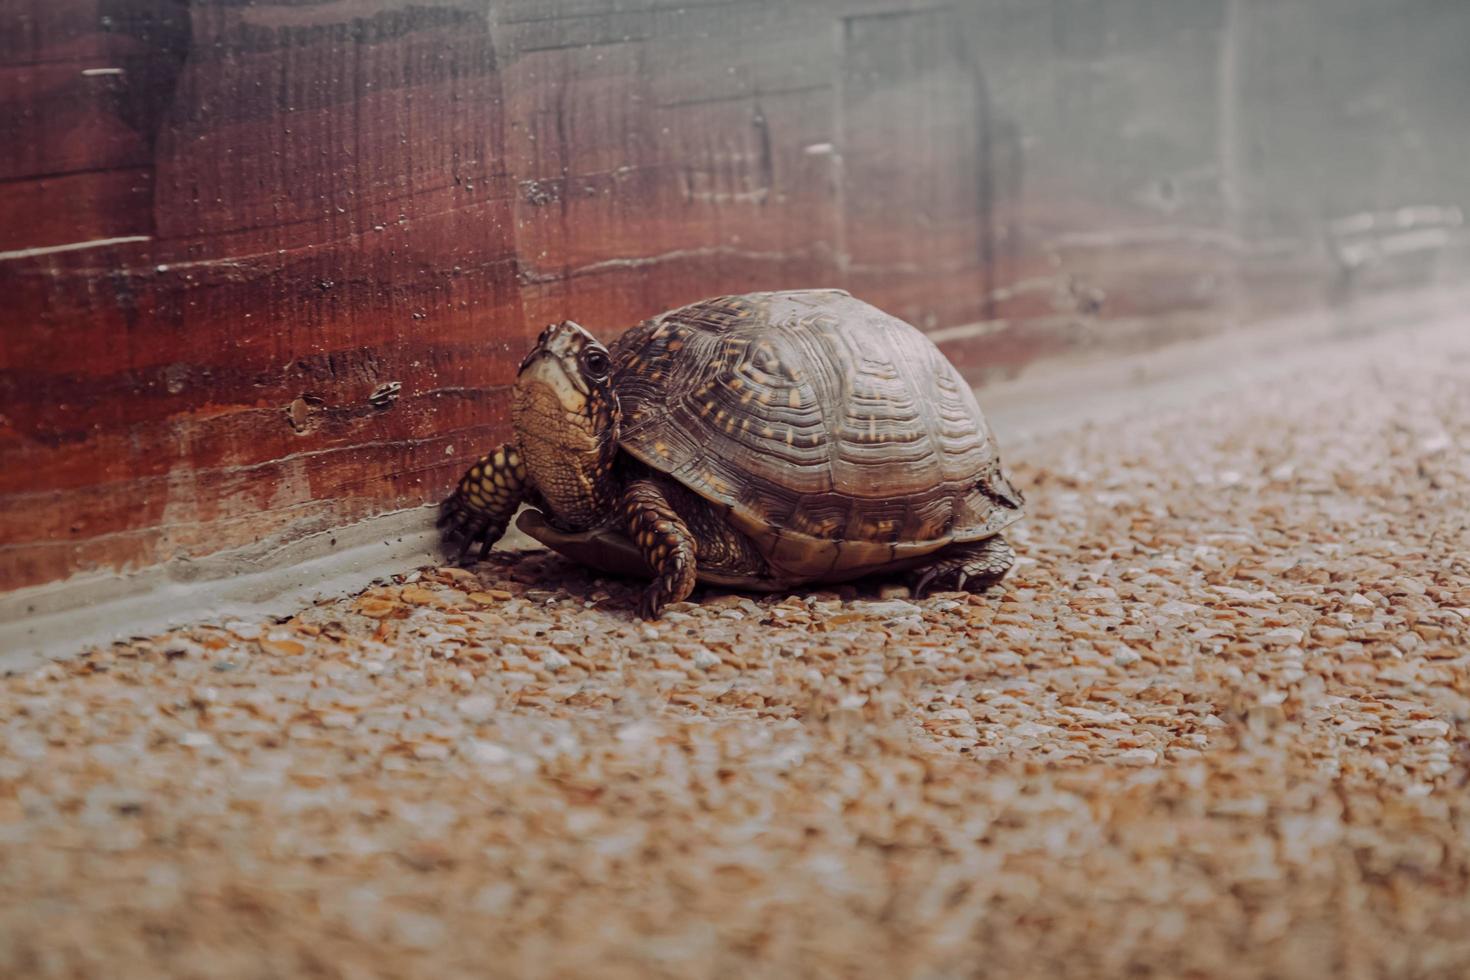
(537, 351)
(553, 364)
(547, 369)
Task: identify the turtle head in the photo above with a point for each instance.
(565, 413)
(576, 354)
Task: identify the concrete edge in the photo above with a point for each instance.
(62, 618)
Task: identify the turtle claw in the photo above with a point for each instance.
(464, 549)
(922, 585)
(463, 527)
(972, 567)
(674, 585)
(650, 606)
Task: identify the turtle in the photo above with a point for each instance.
(761, 441)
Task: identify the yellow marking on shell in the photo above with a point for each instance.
(745, 398)
(793, 399)
(790, 436)
(768, 432)
(872, 427)
(745, 425)
(736, 383)
(706, 408)
(675, 346)
(661, 448)
(765, 397)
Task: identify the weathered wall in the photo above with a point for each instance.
(232, 230)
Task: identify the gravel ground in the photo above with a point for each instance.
(1217, 724)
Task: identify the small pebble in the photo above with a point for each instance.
(477, 709)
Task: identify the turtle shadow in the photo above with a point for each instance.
(545, 575)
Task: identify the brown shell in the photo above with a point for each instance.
(837, 436)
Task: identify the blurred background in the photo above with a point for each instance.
(268, 265)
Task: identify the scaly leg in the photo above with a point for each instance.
(482, 505)
(719, 547)
(974, 566)
(665, 543)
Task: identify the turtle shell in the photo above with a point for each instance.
(836, 436)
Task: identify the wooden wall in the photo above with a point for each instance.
(232, 230)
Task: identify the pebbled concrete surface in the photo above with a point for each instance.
(1217, 724)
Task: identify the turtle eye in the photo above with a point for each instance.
(595, 362)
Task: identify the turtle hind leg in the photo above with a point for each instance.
(972, 566)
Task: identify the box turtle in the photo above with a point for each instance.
(758, 441)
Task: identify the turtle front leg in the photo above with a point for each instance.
(484, 502)
(974, 566)
(664, 540)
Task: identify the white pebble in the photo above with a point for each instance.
(477, 709)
